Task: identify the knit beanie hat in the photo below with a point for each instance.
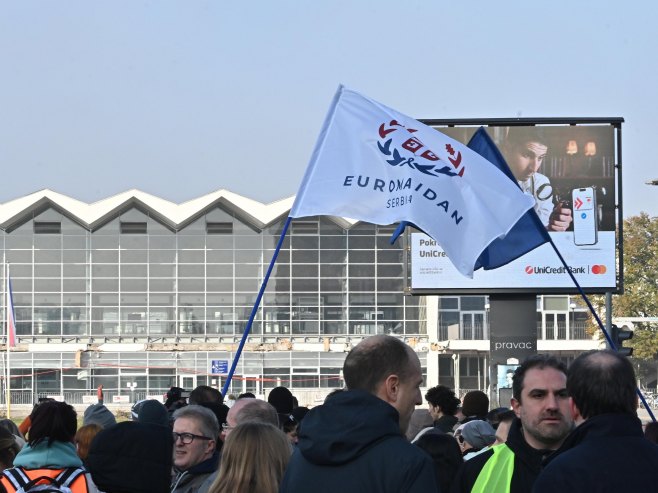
(478, 433)
(100, 415)
(281, 399)
(132, 457)
(154, 412)
(475, 403)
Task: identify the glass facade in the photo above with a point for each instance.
(134, 279)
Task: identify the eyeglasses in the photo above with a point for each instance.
(187, 438)
(227, 427)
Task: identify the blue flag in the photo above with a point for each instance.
(526, 235)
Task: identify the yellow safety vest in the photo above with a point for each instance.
(496, 475)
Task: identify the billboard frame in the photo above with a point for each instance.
(616, 124)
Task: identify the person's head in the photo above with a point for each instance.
(249, 410)
(52, 421)
(131, 457)
(11, 427)
(445, 454)
(283, 401)
(290, 427)
(8, 449)
(291, 424)
(476, 435)
(601, 382)
(525, 150)
(205, 393)
(420, 420)
(386, 367)
(441, 400)
(83, 438)
(152, 411)
(651, 432)
(195, 435)
(475, 403)
(541, 402)
(176, 398)
(100, 415)
(505, 420)
(254, 458)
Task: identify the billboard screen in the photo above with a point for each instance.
(572, 173)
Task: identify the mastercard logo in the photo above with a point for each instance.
(599, 269)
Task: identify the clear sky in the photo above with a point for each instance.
(183, 98)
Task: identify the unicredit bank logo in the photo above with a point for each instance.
(594, 269)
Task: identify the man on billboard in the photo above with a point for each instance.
(525, 150)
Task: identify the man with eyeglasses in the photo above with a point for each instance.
(196, 457)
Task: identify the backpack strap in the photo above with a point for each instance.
(16, 477)
(68, 475)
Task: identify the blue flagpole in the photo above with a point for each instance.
(598, 320)
(254, 310)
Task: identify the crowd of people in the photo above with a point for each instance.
(570, 429)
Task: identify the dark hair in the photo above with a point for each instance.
(373, 360)
(247, 395)
(500, 415)
(445, 454)
(444, 398)
(475, 403)
(204, 393)
(282, 400)
(523, 135)
(54, 421)
(538, 361)
(601, 382)
(10, 426)
(651, 432)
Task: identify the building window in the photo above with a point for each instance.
(133, 228)
(214, 228)
(305, 228)
(47, 228)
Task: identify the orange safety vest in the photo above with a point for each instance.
(11, 482)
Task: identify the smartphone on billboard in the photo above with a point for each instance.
(585, 225)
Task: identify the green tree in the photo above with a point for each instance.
(640, 298)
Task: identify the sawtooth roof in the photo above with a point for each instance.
(175, 216)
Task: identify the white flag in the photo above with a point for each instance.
(374, 164)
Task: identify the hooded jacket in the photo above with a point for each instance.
(354, 443)
(605, 453)
(49, 460)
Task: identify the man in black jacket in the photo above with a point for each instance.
(543, 421)
(442, 406)
(355, 441)
(607, 452)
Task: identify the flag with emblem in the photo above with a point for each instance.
(374, 164)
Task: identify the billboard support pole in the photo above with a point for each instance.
(512, 335)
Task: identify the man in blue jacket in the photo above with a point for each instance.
(355, 441)
(607, 452)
